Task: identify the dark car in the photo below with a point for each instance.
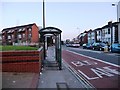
(115, 48)
(89, 46)
(99, 46)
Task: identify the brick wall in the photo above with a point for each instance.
(35, 34)
(22, 61)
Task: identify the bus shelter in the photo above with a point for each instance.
(52, 31)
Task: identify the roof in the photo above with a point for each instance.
(106, 26)
(98, 29)
(90, 30)
(114, 23)
(85, 32)
(50, 30)
(19, 26)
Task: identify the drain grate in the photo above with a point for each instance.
(62, 86)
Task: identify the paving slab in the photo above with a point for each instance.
(19, 80)
(52, 77)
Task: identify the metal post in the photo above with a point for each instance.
(44, 48)
(60, 60)
(43, 14)
(44, 27)
(56, 48)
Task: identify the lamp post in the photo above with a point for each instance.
(117, 10)
(118, 18)
(45, 38)
(43, 14)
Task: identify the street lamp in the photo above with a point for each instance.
(117, 10)
(43, 14)
(118, 18)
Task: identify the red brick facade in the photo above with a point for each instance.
(21, 35)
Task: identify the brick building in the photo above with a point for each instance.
(83, 38)
(21, 35)
(0, 38)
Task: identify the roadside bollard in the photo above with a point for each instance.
(106, 49)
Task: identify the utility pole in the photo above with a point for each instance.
(45, 38)
(43, 14)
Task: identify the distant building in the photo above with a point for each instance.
(106, 33)
(21, 35)
(118, 19)
(91, 36)
(83, 38)
(0, 38)
(98, 34)
(115, 32)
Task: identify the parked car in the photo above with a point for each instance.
(89, 46)
(99, 46)
(115, 48)
(75, 45)
(68, 45)
(84, 46)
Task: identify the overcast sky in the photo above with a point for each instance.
(71, 17)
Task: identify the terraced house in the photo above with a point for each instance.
(21, 35)
(110, 33)
(0, 38)
(91, 36)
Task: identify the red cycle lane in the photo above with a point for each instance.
(100, 74)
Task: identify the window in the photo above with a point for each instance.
(9, 37)
(20, 29)
(23, 29)
(12, 36)
(105, 31)
(30, 35)
(109, 31)
(9, 31)
(3, 37)
(23, 35)
(30, 29)
(19, 36)
(109, 40)
(12, 31)
(99, 33)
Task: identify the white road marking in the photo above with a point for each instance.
(87, 50)
(94, 59)
(84, 81)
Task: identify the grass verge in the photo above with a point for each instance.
(14, 48)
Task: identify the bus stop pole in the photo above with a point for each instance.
(59, 52)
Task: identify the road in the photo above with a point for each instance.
(108, 57)
(95, 68)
